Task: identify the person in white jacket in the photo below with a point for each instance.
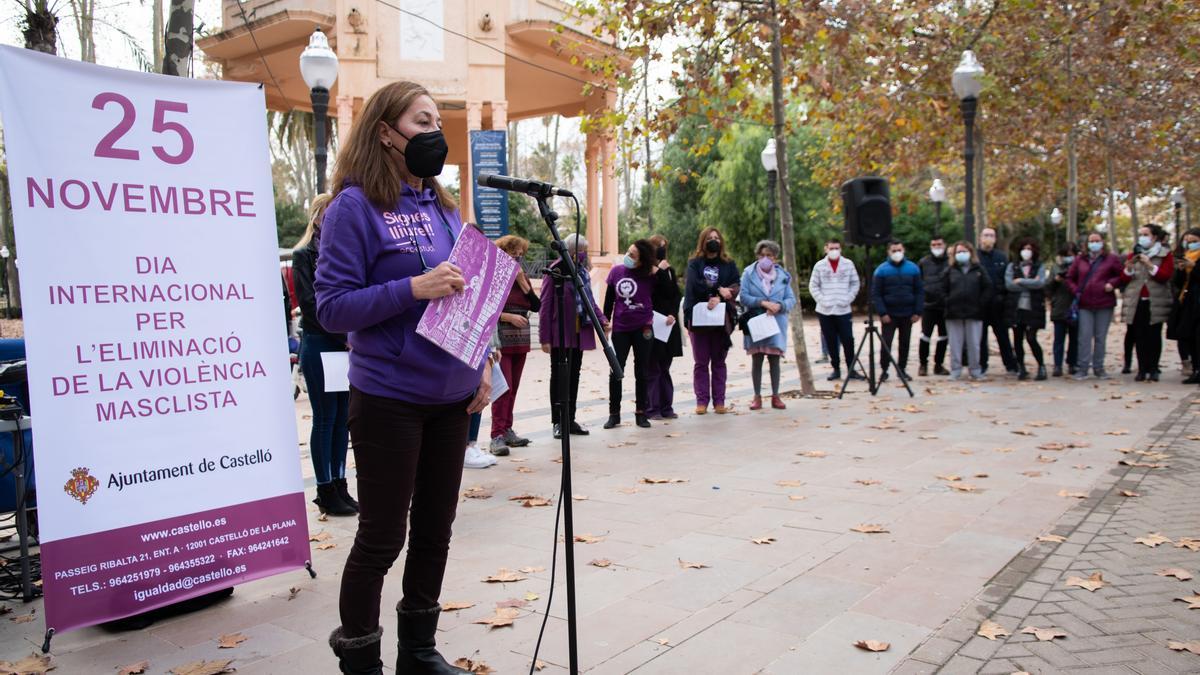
(834, 285)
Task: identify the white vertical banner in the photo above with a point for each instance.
(163, 422)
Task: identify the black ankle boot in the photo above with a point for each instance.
(417, 653)
(344, 492)
(357, 656)
(613, 422)
(330, 502)
(1022, 374)
(641, 421)
(1041, 374)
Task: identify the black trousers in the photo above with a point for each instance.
(993, 316)
(1023, 334)
(902, 325)
(409, 461)
(1147, 339)
(837, 330)
(933, 318)
(639, 343)
(575, 358)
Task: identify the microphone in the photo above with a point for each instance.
(535, 188)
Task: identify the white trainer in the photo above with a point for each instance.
(477, 458)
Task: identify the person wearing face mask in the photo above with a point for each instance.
(1186, 318)
(1025, 305)
(1093, 280)
(967, 288)
(630, 311)
(933, 269)
(410, 401)
(579, 335)
(994, 261)
(712, 278)
(834, 285)
(1066, 331)
(767, 287)
(1146, 300)
(514, 337)
(898, 295)
(660, 388)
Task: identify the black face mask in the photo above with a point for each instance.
(661, 252)
(712, 246)
(425, 154)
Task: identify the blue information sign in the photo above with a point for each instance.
(489, 154)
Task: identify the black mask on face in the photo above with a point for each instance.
(425, 154)
(712, 246)
(661, 252)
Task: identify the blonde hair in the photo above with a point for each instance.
(364, 160)
(513, 245)
(316, 212)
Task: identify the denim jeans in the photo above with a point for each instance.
(1093, 334)
(329, 438)
(1065, 334)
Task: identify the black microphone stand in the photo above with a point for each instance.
(567, 271)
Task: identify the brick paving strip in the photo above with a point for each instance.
(1124, 626)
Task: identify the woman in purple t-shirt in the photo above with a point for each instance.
(629, 308)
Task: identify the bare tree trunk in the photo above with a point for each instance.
(156, 20)
(796, 316)
(8, 239)
(178, 45)
(84, 13)
(512, 149)
(554, 151)
(1072, 162)
(1133, 214)
(1112, 201)
(646, 135)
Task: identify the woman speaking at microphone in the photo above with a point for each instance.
(386, 237)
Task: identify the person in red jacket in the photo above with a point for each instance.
(1093, 279)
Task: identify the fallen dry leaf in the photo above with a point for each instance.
(601, 562)
(528, 500)
(963, 487)
(1046, 460)
(1056, 538)
(1192, 646)
(579, 498)
(531, 596)
(1043, 634)
(323, 517)
(1005, 450)
(1178, 573)
(320, 536)
(675, 435)
(477, 492)
(991, 630)
(293, 592)
(34, 664)
(524, 469)
(1144, 465)
(504, 576)
(649, 480)
(515, 603)
(1153, 539)
(684, 564)
(22, 618)
(1117, 432)
(927, 437)
(980, 475)
(1193, 601)
(1031, 474)
(873, 645)
(1075, 495)
(326, 546)
(1092, 583)
(1130, 493)
(539, 665)
(869, 528)
(1022, 432)
(132, 669)
(663, 641)
(764, 540)
(587, 539)
(867, 481)
(456, 606)
(473, 667)
(789, 483)
(203, 668)
(230, 640)
(815, 454)
(796, 498)
(531, 570)
(950, 477)
(504, 616)
(1038, 423)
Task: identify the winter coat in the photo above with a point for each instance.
(1060, 294)
(1186, 321)
(1108, 272)
(665, 299)
(1033, 286)
(897, 290)
(833, 291)
(577, 335)
(753, 294)
(967, 291)
(304, 264)
(933, 271)
(1159, 286)
(994, 262)
(696, 289)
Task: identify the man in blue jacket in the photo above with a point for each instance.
(898, 294)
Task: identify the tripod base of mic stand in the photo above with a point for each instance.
(873, 384)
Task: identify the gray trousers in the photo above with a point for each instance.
(1093, 334)
(968, 333)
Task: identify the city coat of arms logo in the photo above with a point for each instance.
(82, 485)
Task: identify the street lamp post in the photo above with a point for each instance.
(1177, 201)
(770, 162)
(937, 195)
(967, 86)
(4, 255)
(319, 66)
(1056, 219)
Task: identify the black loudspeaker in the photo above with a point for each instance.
(868, 210)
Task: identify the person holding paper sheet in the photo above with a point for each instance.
(385, 242)
(628, 305)
(660, 388)
(712, 280)
(580, 335)
(514, 339)
(767, 287)
(329, 437)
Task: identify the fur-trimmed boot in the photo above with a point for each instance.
(418, 654)
(357, 656)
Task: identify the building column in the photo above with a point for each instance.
(345, 116)
(466, 189)
(500, 115)
(611, 240)
(591, 161)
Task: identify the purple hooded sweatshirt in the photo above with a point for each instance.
(364, 288)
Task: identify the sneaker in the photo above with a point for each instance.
(939, 369)
(1103, 375)
(980, 378)
(823, 359)
(477, 459)
(923, 371)
(777, 403)
(955, 377)
(513, 440)
(1080, 375)
(498, 447)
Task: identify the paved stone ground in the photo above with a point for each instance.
(1123, 627)
(796, 605)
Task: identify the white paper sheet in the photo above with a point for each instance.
(499, 384)
(662, 331)
(762, 327)
(336, 367)
(703, 316)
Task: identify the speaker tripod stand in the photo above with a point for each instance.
(872, 334)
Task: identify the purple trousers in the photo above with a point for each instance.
(709, 349)
(660, 388)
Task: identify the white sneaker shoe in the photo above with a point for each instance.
(478, 459)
